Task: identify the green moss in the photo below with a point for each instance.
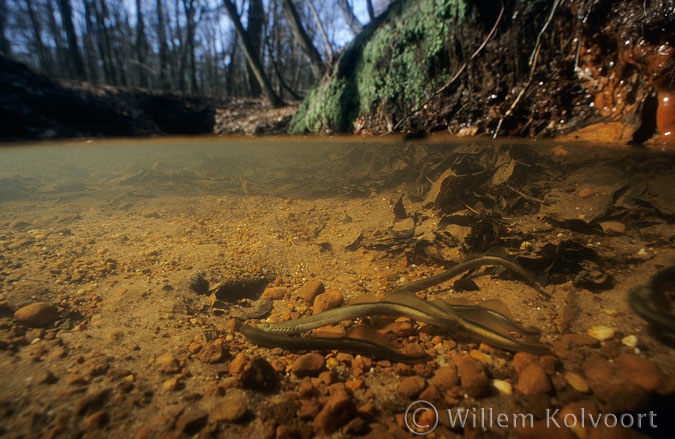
(397, 66)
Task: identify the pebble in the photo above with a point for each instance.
(310, 290)
(259, 375)
(630, 341)
(445, 377)
(521, 360)
(37, 315)
(229, 409)
(328, 300)
(412, 386)
(613, 388)
(503, 387)
(167, 364)
(239, 363)
(309, 408)
(310, 364)
(613, 228)
(192, 421)
(641, 371)
(533, 379)
(337, 411)
(472, 376)
(601, 333)
(274, 293)
(212, 353)
(173, 383)
(576, 381)
(149, 213)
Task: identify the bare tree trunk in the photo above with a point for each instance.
(255, 65)
(354, 25)
(73, 46)
(305, 42)
(60, 62)
(327, 46)
(254, 30)
(190, 14)
(90, 44)
(371, 10)
(141, 46)
(37, 36)
(5, 47)
(163, 48)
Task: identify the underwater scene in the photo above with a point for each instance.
(336, 287)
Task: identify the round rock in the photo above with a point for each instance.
(310, 364)
(37, 315)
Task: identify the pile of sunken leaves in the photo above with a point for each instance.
(557, 217)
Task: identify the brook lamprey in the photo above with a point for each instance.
(652, 302)
(346, 344)
(474, 321)
(494, 257)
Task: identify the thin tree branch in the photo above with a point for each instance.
(456, 75)
(533, 64)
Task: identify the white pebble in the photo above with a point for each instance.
(601, 333)
(503, 387)
(630, 340)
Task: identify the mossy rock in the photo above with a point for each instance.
(396, 62)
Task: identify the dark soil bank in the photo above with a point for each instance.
(34, 106)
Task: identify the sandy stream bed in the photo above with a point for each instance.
(114, 238)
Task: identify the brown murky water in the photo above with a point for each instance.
(115, 234)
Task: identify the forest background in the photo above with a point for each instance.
(185, 46)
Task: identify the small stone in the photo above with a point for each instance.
(630, 341)
(192, 421)
(613, 228)
(239, 363)
(167, 363)
(615, 391)
(310, 364)
(229, 409)
(337, 411)
(472, 376)
(481, 356)
(149, 213)
(412, 386)
(274, 293)
(97, 420)
(212, 353)
(521, 360)
(310, 290)
(355, 384)
(503, 387)
(576, 381)
(195, 347)
(601, 333)
(641, 371)
(533, 379)
(328, 300)
(173, 383)
(445, 377)
(260, 376)
(309, 408)
(37, 315)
